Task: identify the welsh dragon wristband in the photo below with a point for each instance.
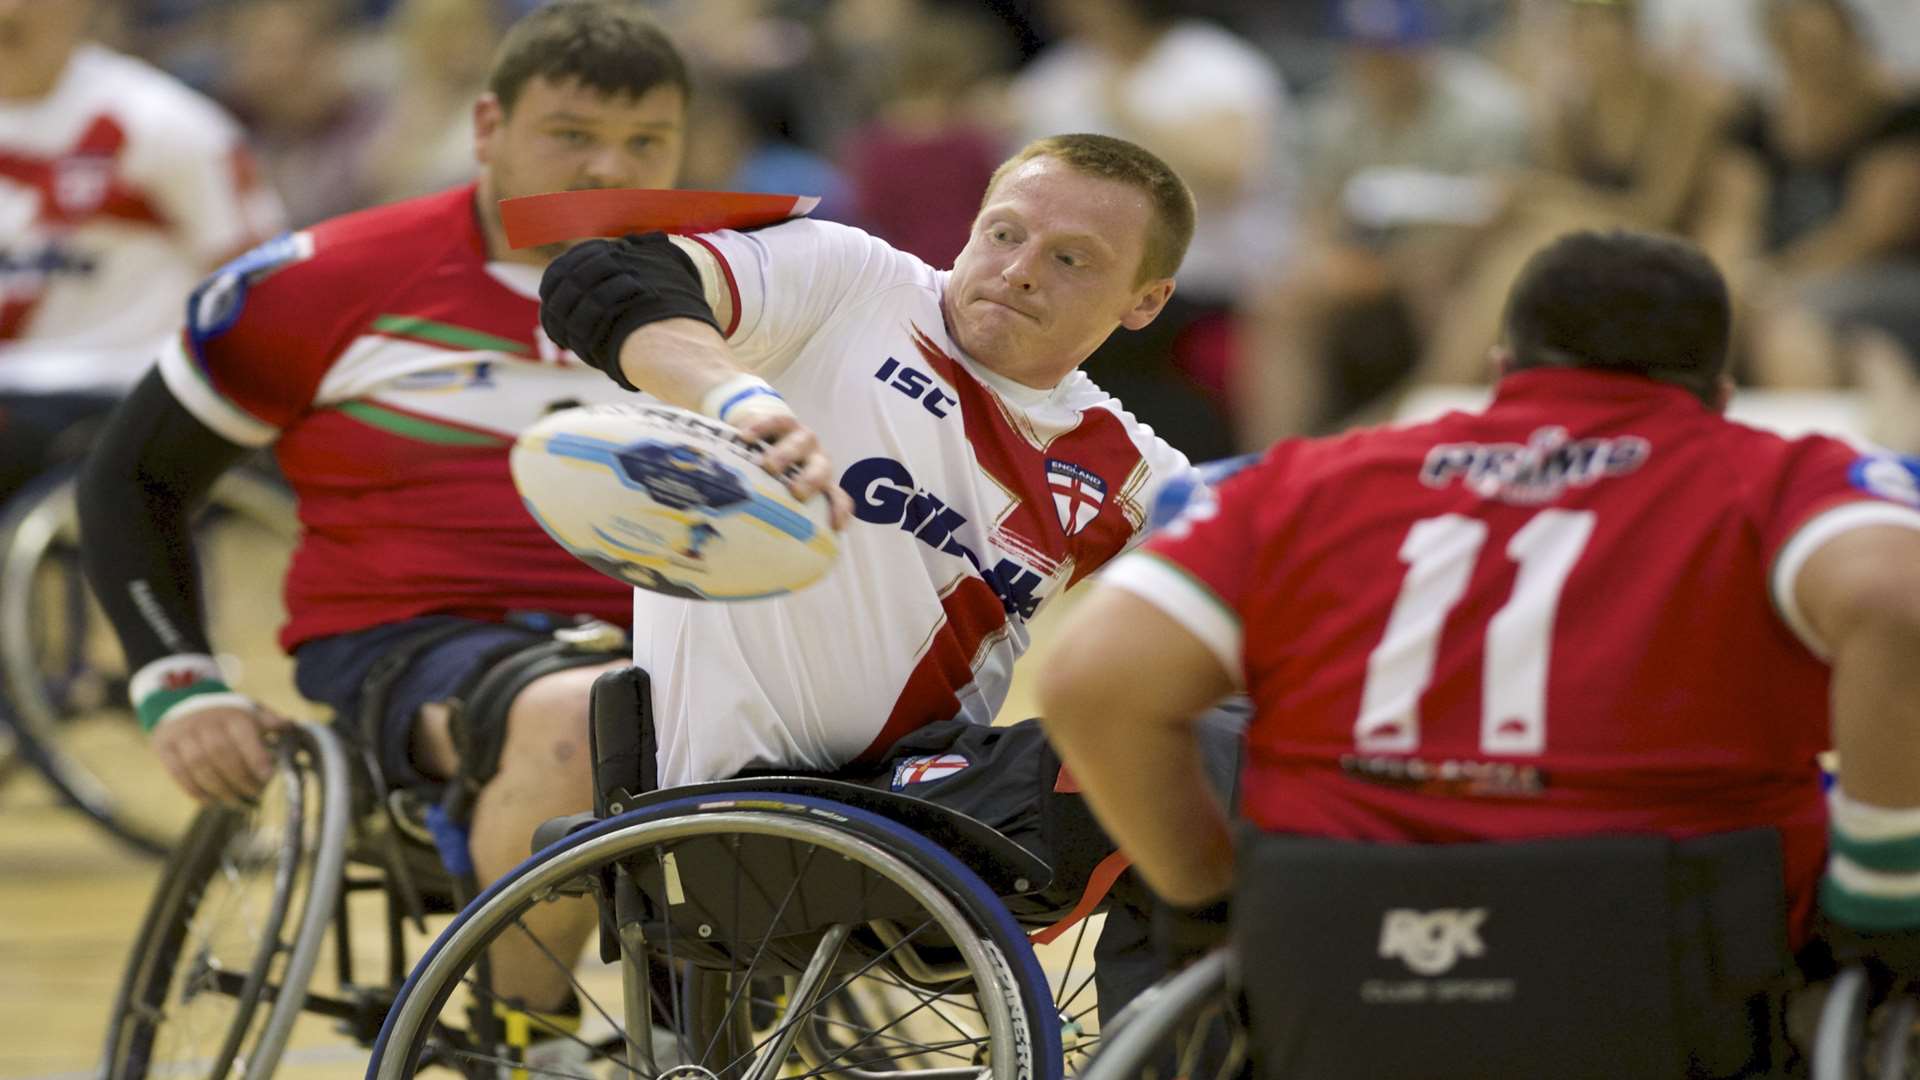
(161, 687)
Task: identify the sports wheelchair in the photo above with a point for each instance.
(772, 925)
(63, 681)
(223, 965)
(1619, 956)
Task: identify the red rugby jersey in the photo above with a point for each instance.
(1569, 614)
(391, 365)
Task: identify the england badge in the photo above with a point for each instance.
(1077, 494)
(81, 183)
(919, 770)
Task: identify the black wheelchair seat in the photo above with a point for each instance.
(626, 776)
(1008, 869)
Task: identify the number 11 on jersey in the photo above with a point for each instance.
(1440, 554)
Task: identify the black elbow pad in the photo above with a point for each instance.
(600, 291)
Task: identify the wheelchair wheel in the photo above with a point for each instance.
(62, 673)
(752, 936)
(1186, 1026)
(1841, 1034)
(220, 969)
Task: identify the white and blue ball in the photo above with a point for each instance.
(670, 501)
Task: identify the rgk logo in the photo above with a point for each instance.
(1431, 942)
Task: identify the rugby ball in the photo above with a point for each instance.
(670, 501)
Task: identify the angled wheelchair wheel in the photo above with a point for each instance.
(1859, 1037)
(220, 969)
(1186, 1026)
(63, 680)
(753, 936)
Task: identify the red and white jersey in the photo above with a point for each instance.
(118, 191)
(392, 365)
(976, 499)
(1571, 613)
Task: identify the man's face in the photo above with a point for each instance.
(562, 136)
(1050, 270)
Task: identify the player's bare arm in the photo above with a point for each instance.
(636, 309)
(1119, 699)
(1861, 594)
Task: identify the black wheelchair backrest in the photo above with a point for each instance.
(1599, 957)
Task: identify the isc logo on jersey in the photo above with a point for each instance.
(668, 501)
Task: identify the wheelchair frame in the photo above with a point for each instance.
(163, 943)
(799, 808)
(39, 522)
(741, 808)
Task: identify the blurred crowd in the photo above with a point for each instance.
(1370, 173)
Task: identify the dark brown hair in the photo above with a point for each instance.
(611, 46)
(1626, 301)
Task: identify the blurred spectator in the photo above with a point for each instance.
(919, 170)
(1884, 348)
(288, 79)
(1728, 38)
(1814, 206)
(1214, 107)
(1622, 141)
(1719, 39)
(744, 141)
(425, 140)
(868, 40)
(1893, 26)
(119, 189)
(1402, 161)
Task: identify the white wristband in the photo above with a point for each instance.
(176, 672)
(722, 399)
(160, 689)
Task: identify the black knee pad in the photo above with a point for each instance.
(480, 720)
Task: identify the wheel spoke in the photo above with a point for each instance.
(746, 978)
(861, 970)
(580, 992)
(895, 1040)
(927, 1003)
(1073, 956)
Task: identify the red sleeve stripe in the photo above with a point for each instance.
(733, 287)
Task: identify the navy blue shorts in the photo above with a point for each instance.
(332, 671)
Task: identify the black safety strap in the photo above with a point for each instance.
(376, 691)
(479, 725)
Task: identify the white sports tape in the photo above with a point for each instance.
(722, 399)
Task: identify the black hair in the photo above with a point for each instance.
(1636, 302)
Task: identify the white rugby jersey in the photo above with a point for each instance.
(976, 499)
(118, 191)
